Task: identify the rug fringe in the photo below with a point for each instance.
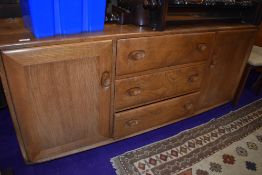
(117, 164)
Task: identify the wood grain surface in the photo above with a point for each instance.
(58, 95)
(11, 108)
(14, 35)
(226, 65)
(61, 90)
(140, 90)
(161, 51)
(134, 120)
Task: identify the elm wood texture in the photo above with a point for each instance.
(14, 35)
(113, 77)
(148, 88)
(141, 54)
(58, 97)
(138, 119)
(16, 82)
(151, 71)
(226, 65)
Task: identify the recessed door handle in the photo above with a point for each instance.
(106, 80)
(134, 91)
(202, 47)
(193, 78)
(188, 106)
(132, 123)
(136, 55)
(212, 64)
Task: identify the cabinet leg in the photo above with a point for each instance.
(257, 86)
(2, 97)
(6, 172)
(242, 83)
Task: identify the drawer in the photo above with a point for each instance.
(135, 91)
(142, 118)
(142, 54)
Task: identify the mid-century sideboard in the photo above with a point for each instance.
(68, 94)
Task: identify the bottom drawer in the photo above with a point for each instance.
(142, 118)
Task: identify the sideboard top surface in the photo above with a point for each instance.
(13, 34)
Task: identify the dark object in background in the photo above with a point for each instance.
(2, 98)
(141, 13)
(253, 14)
(158, 13)
(138, 15)
(10, 9)
(246, 11)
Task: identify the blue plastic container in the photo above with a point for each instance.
(55, 17)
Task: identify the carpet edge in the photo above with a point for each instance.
(116, 163)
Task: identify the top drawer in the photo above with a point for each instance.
(141, 54)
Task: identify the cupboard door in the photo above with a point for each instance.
(230, 54)
(61, 95)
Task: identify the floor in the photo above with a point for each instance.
(97, 161)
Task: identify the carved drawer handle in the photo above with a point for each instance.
(193, 78)
(136, 55)
(132, 123)
(134, 91)
(212, 64)
(202, 47)
(188, 106)
(105, 80)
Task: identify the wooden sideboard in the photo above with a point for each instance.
(73, 93)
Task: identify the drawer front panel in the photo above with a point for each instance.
(135, 91)
(142, 118)
(142, 54)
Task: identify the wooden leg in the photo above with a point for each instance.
(242, 83)
(2, 97)
(6, 172)
(257, 86)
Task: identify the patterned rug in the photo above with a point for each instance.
(230, 145)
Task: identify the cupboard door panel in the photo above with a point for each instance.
(61, 98)
(230, 54)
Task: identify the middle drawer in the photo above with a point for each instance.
(136, 91)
